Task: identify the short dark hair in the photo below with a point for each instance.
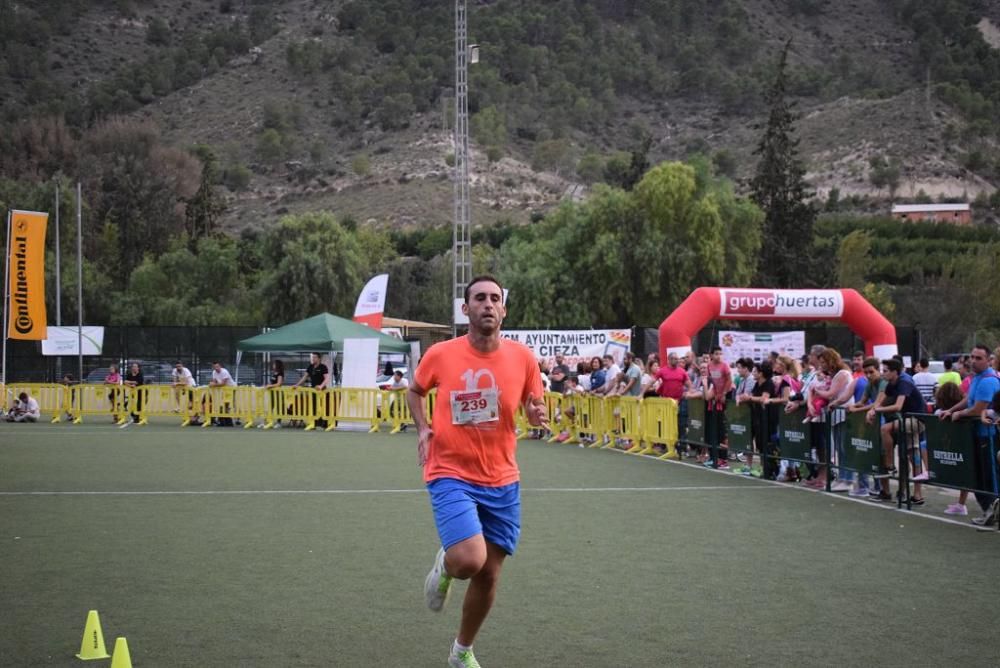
(893, 365)
(985, 349)
(870, 363)
(716, 348)
(858, 353)
(23, 396)
(479, 279)
(948, 364)
(922, 362)
(397, 372)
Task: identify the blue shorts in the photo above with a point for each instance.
(463, 510)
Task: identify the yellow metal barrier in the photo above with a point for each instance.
(588, 419)
(228, 403)
(292, 404)
(659, 427)
(555, 409)
(165, 401)
(394, 407)
(98, 400)
(630, 423)
(352, 404)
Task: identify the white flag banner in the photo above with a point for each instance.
(759, 345)
(65, 340)
(371, 302)
(574, 345)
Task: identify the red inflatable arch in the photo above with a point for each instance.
(707, 304)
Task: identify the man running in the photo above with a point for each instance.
(468, 455)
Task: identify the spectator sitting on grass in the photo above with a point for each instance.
(25, 409)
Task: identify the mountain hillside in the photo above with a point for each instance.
(345, 106)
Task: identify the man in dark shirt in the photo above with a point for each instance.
(558, 376)
(319, 377)
(133, 379)
(901, 398)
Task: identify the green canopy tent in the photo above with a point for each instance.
(320, 333)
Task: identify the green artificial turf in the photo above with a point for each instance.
(284, 548)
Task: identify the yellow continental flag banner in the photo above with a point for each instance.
(27, 275)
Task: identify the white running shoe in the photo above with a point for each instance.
(462, 659)
(437, 587)
(840, 486)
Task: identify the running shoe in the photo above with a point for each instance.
(989, 518)
(462, 659)
(956, 509)
(921, 477)
(437, 585)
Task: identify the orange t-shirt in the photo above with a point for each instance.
(479, 453)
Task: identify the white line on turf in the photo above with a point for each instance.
(224, 492)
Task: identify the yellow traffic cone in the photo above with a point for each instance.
(92, 645)
(121, 659)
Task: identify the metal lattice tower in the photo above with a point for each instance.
(462, 239)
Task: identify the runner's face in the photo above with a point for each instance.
(485, 307)
(672, 360)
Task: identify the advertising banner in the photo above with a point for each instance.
(64, 340)
(862, 445)
(795, 436)
(27, 275)
(771, 304)
(574, 345)
(758, 345)
(371, 302)
(951, 447)
(739, 422)
(696, 422)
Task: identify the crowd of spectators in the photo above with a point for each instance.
(829, 387)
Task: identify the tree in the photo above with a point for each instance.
(204, 209)
(779, 188)
(854, 259)
(884, 174)
(602, 262)
(312, 265)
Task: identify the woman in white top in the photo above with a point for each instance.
(839, 393)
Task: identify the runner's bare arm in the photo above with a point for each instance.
(415, 400)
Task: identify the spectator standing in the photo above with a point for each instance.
(134, 380)
(982, 388)
(950, 375)
(838, 395)
(675, 384)
(949, 397)
(558, 375)
(873, 395)
(318, 376)
(274, 399)
(597, 375)
(925, 381)
(901, 398)
(114, 379)
(650, 380)
(183, 383)
(720, 383)
(221, 378)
